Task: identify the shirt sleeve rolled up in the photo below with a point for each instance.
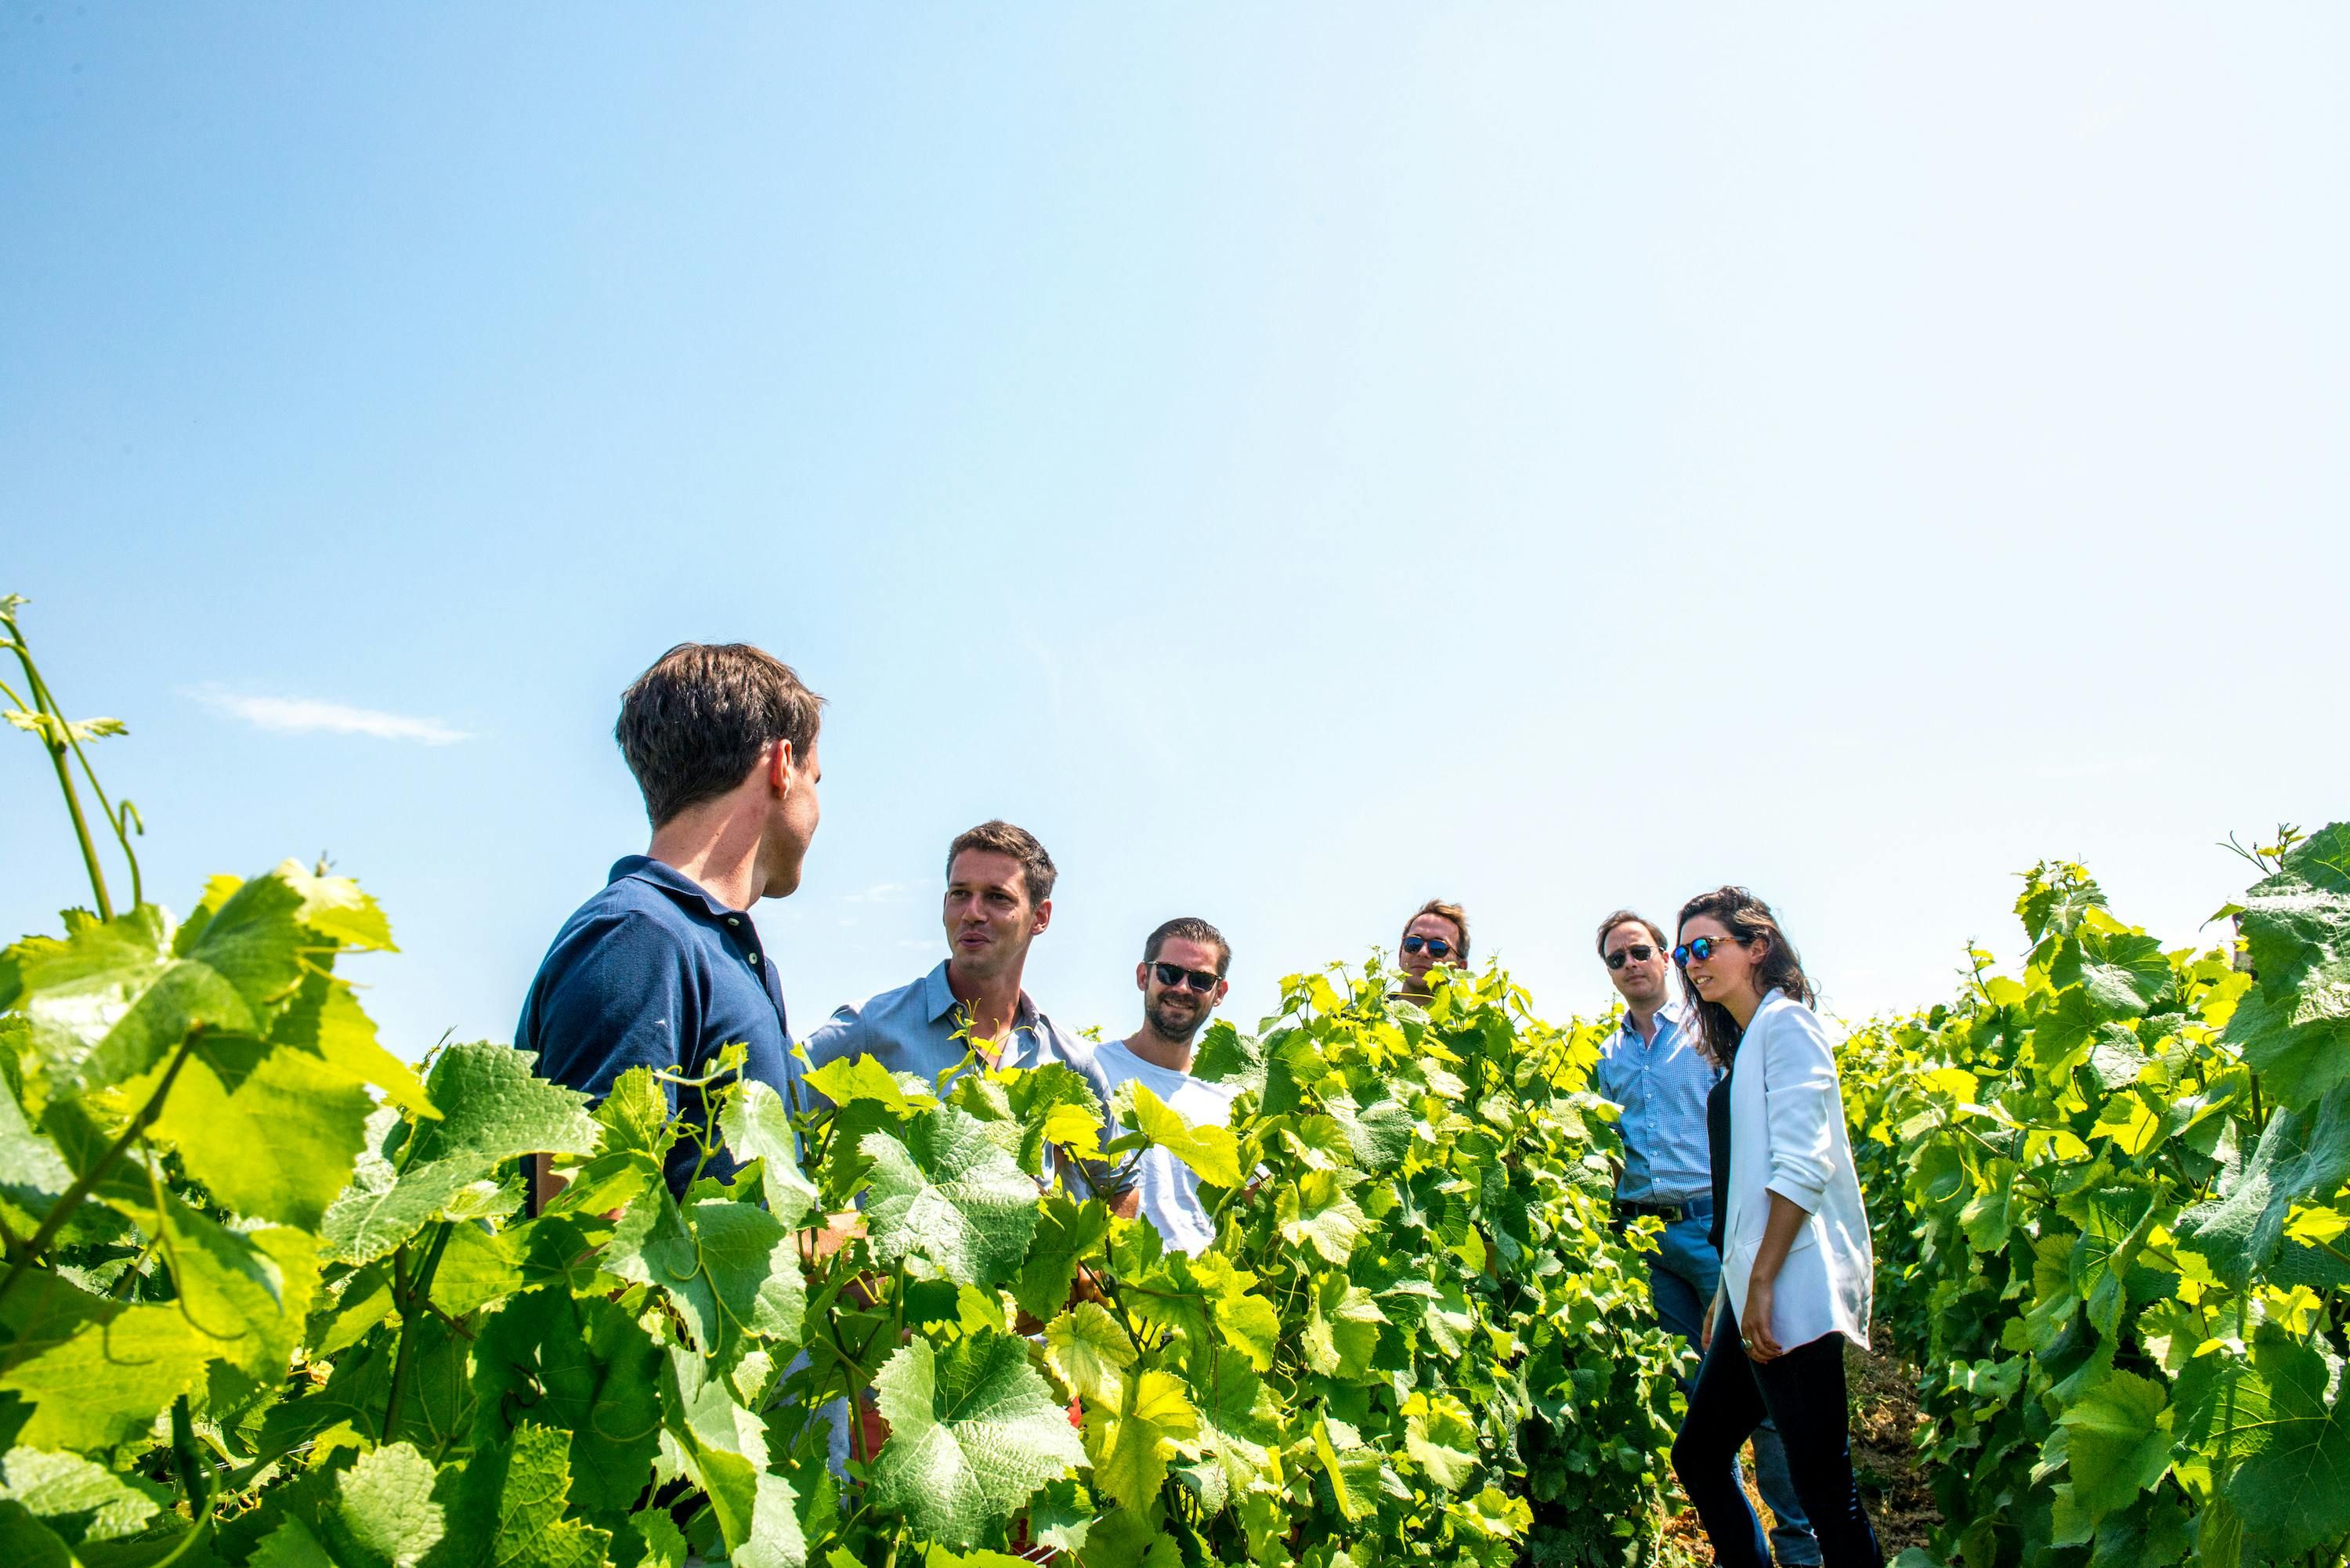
(1799, 1096)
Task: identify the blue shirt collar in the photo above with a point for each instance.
(1673, 1015)
(939, 1000)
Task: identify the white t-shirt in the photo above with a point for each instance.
(1171, 1193)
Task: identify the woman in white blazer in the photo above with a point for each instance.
(1796, 1267)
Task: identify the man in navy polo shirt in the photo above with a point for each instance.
(664, 966)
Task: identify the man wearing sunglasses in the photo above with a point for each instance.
(1437, 934)
(1653, 1068)
(1182, 978)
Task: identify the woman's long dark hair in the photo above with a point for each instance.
(1750, 919)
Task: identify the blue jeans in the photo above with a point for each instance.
(1682, 1277)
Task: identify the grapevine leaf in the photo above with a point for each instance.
(111, 999)
(2301, 1154)
(1239, 1424)
(531, 1530)
(477, 1267)
(973, 1432)
(1317, 1211)
(1343, 1329)
(494, 1110)
(32, 1173)
(2119, 1442)
(1378, 1135)
(1152, 1416)
(281, 1144)
(2290, 1478)
(1227, 1057)
(1066, 1230)
(724, 1448)
(79, 1501)
(948, 1194)
(865, 1079)
(757, 1126)
(635, 1117)
(1351, 1467)
(731, 1269)
(1211, 1151)
(325, 1020)
(336, 908)
(106, 1380)
(582, 1364)
(2299, 1044)
(1054, 1105)
(1089, 1353)
(289, 1545)
(25, 1541)
(2121, 971)
(1441, 1437)
(385, 1515)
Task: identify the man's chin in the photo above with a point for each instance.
(1177, 1030)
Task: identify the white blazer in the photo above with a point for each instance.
(1787, 1135)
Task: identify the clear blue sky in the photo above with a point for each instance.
(1298, 460)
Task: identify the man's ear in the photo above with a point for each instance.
(1044, 918)
(1223, 989)
(779, 768)
(1142, 976)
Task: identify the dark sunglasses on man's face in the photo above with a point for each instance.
(1198, 980)
(1702, 949)
(1632, 952)
(1437, 946)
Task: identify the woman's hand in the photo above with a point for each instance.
(1705, 1331)
(1778, 1234)
(1755, 1325)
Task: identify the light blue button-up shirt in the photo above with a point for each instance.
(1661, 1084)
(913, 1030)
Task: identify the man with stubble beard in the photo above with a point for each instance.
(1182, 978)
(999, 899)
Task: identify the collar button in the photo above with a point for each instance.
(755, 961)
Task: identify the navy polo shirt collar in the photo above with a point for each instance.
(672, 881)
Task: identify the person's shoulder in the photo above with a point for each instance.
(1783, 1016)
(615, 920)
(853, 1026)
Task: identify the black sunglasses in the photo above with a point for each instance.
(1437, 946)
(1198, 980)
(1701, 949)
(1635, 952)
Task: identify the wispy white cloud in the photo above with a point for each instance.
(309, 715)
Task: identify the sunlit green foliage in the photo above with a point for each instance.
(2121, 1260)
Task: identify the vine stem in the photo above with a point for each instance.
(62, 1210)
(56, 750)
(409, 1288)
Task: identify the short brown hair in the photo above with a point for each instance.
(1631, 917)
(1001, 837)
(1190, 928)
(694, 725)
(1444, 911)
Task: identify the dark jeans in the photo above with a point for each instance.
(1802, 1393)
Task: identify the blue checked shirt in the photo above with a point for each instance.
(1662, 1085)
